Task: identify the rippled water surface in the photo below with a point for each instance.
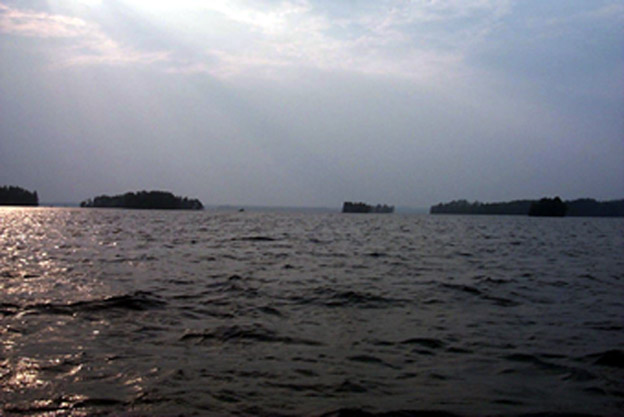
(204, 313)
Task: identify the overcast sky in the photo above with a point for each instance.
(310, 103)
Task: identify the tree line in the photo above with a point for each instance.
(543, 207)
(144, 200)
(350, 207)
(17, 196)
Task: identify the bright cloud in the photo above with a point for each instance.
(387, 39)
(40, 25)
(87, 43)
(417, 39)
(402, 38)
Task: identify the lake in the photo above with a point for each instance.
(213, 313)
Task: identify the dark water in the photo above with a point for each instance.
(166, 313)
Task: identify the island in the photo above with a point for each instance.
(163, 200)
(16, 196)
(350, 207)
(554, 207)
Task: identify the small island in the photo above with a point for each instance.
(349, 207)
(17, 196)
(163, 200)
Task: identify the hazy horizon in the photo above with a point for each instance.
(311, 103)
(336, 206)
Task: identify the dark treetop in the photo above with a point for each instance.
(349, 207)
(145, 200)
(545, 206)
(548, 207)
(16, 196)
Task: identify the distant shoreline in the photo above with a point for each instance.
(583, 207)
(164, 200)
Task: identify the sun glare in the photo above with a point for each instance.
(269, 20)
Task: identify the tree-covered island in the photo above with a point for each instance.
(163, 200)
(17, 196)
(350, 207)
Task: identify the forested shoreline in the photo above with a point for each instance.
(17, 196)
(579, 207)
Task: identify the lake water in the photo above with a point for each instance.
(161, 313)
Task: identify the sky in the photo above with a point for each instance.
(313, 102)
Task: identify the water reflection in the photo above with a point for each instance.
(26, 374)
(44, 351)
(41, 248)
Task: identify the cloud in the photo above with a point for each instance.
(379, 40)
(40, 25)
(103, 50)
(85, 43)
(422, 40)
(594, 14)
(277, 20)
(410, 39)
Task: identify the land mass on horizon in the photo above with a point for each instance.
(11, 195)
(144, 200)
(553, 207)
(350, 207)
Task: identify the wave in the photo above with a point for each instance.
(351, 387)
(137, 301)
(533, 360)
(234, 284)
(8, 309)
(612, 358)
(464, 288)
(320, 389)
(62, 405)
(331, 297)
(567, 373)
(425, 342)
(356, 298)
(421, 345)
(490, 280)
(255, 238)
(270, 310)
(242, 334)
(356, 412)
(604, 326)
(368, 359)
(469, 289)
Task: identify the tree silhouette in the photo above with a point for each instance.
(144, 200)
(548, 207)
(17, 196)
